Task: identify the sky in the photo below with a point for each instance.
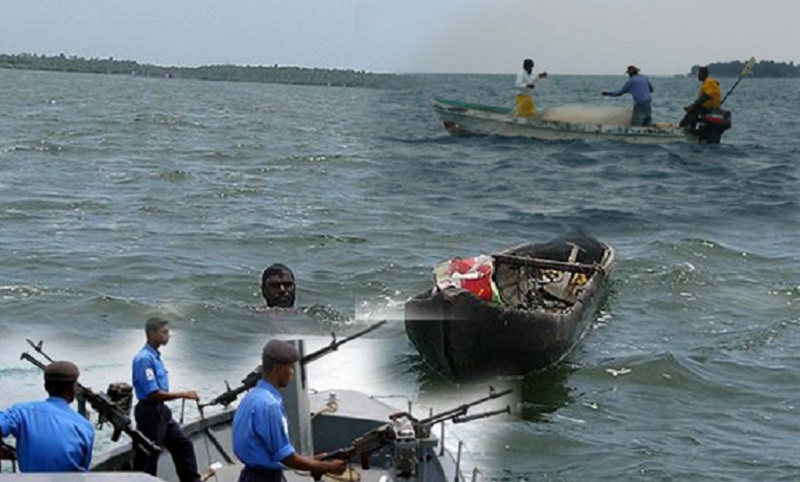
(662, 37)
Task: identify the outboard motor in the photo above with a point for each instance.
(712, 124)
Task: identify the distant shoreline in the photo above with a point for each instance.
(232, 73)
(277, 74)
(763, 69)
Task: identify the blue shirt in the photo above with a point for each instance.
(261, 428)
(639, 87)
(149, 373)
(51, 437)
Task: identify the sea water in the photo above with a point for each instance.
(123, 198)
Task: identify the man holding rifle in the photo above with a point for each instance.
(261, 428)
(51, 437)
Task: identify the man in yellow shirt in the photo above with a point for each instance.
(710, 97)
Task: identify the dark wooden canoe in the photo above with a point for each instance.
(548, 292)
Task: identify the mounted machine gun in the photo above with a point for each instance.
(409, 437)
(108, 409)
(252, 378)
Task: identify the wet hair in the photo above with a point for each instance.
(702, 70)
(153, 324)
(527, 62)
(273, 270)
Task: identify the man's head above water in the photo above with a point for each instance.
(277, 286)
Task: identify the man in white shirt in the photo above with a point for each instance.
(525, 83)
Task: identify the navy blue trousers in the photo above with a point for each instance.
(154, 419)
(251, 474)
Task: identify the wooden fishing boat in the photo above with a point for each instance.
(465, 119)
(525, 314)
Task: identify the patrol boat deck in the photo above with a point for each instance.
(339, 418)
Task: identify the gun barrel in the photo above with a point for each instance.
(341, 454)
(461, 410)
(335, 344)
(252, 378)
(478, 416)
(27, 356)
(38, 348)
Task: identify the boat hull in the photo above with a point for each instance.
(466, 338)
(463, 119)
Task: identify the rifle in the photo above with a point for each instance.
(104, 406)
(251, 379)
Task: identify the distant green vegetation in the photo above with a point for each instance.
(273, 74)
(765, 68)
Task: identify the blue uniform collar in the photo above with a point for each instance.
(58, 401)
(270, 388)
(149, 347)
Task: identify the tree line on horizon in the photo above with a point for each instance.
(764, 68)
(234, 73)
(299, 75)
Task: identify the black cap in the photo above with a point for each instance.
(281, 352)
(61, 371)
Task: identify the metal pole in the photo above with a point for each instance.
(458, 460)
(297, 406)
(441, 442)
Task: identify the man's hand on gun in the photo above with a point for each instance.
(191, 395)
(328, 466)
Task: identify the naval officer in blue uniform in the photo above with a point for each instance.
(51, 437)
(261, 428)
(153, 417)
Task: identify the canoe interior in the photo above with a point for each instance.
(465, 338)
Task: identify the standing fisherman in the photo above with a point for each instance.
(51, 437)
(640, 88)
(153, 417)
(525, 83)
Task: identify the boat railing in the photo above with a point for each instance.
(7, 452)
